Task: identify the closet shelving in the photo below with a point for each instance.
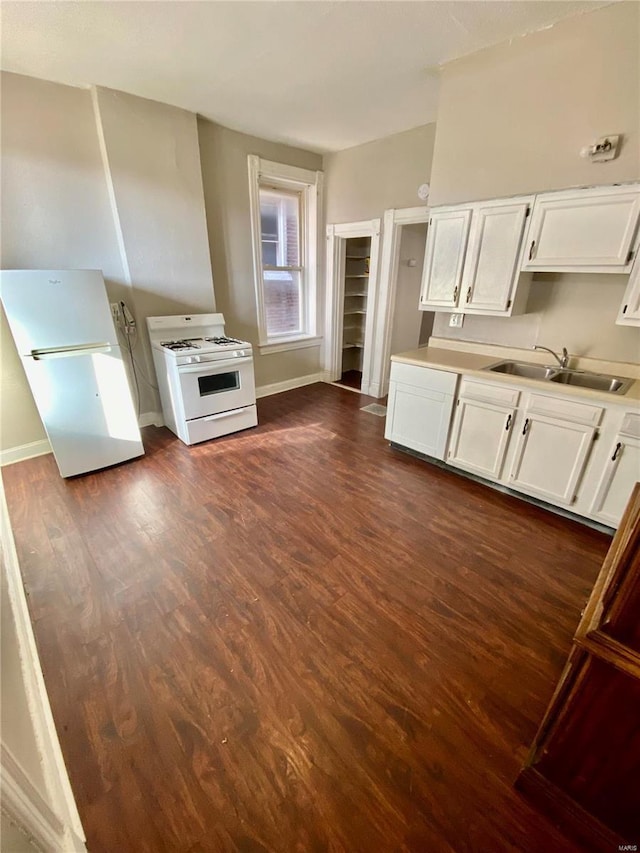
(356, 283)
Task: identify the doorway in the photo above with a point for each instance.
(352, 265)
(399, 323)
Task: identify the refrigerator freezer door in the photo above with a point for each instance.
(86, 407)
(56, 308)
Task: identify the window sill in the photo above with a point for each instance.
(284, 344)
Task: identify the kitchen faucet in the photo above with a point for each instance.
(563, 362)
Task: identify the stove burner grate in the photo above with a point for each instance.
(179, 345)
(221, 341)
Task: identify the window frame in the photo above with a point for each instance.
(308, 185)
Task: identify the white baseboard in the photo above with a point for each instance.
(289, 384)
(150, 419)
(39, 448)
(24, 451)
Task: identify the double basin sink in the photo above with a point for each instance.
(563, 376)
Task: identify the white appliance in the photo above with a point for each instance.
(206, 379)
(66, 339)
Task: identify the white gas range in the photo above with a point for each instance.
(205, 379)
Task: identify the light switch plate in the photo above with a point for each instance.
(456, 320)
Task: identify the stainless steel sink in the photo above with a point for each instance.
(563, 376)
(522, 368)
(595, 381)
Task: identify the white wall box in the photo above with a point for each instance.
(473, 258)
(621, 473)
(629, 314)
(419, 408)
(587, 230)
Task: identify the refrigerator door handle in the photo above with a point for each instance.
(62, 352)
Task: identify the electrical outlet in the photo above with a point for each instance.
(456, 320)
(115, 312)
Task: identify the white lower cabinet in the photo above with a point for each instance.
(550, 457)
(419, 408)
(537, 443)
(621, 473)
(482, 424)
(480, 437)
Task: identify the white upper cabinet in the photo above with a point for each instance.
(590, 230)
(444, 257)
(473, 256)
(492, 265)
(629, 314)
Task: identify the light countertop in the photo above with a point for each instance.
(472, 362)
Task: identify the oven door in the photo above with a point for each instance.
(212, 387)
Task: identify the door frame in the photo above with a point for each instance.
(394, 219)
(337, 235)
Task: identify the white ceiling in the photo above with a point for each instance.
(321, 75)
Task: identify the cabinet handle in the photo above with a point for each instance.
(525, 428)
(616, 452)
(455, 293)
(469, 295)
(531, 250)
(508, 423)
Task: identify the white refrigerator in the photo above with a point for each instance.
(64, 332)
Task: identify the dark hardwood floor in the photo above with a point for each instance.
(297, 639)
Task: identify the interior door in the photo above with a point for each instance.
(493, 256)
(444, 257)
(480, 437)
(86, 407)
(550, 457)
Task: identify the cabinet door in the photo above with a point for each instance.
(418, 419)
(480, 437)
(619, 478)
(589, 230)
(444, 258)
(492, 266)
(630, 309)
(550, 457)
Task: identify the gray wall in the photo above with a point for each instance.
(55, 212)
(512, 119)
(363, 182)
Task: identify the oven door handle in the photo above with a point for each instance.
(213, 366)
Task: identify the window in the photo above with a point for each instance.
(284, 216)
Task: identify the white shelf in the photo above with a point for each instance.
(360, 275)
(357, 293)
(359, 311)
(354, 345)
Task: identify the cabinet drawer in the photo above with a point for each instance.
(631, 425)
(424, 377)
(487, 392)
(202, 429)
(566, 410)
